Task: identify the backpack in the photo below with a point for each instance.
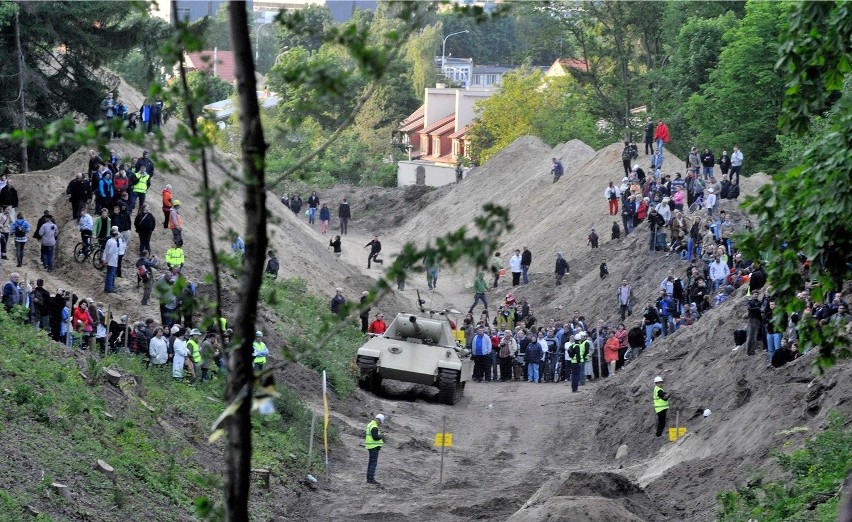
(273, 266)
(20, 232)
(626, 154)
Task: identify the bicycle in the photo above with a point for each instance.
(82, 251)
(698, 204)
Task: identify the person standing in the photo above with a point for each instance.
(5, 229)
(626, 157)
(578, 361)
(259, 351)
(49, 233)
(497, 268)
(110, 257)
(365, 311)
(20, 229)
(375, 248)
(611, 194)
(344, 213)
(515, 266)
(167, 205)
(145, 223)
(336, 247)
(79, 191)
(561, 267)
(313, 203)
(649, 137)
(526, 261)
(459, 172)
(140, 188)
(176, 221)
(481, 353)
(181, 352)
(661, 136)
(533, 356)
(325, 217)
(625, 299)
(480, 286)
(373, 441)
(724, 163)
(273, 265)
(145, 272)
(661, 404)
(41, 307)
(337, 301)
(736, 164)
(9, 197)
(12, 293)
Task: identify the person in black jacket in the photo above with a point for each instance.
(375, 247)
(649, 137)
(707, 162)
(655, 226)
(344, 213)
(9, 197)
(79, 192)
(561, 267)
(526, 261)
(652, 322)
(313, 204)
(724, 163)
(145, 223)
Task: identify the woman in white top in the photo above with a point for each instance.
(181, 353)
(158, 348)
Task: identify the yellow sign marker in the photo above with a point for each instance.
(444, 440)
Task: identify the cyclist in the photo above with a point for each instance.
(85, 225)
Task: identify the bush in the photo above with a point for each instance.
(812, 490)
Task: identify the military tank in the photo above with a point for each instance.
(417, 348)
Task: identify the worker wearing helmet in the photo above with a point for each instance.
(374, 441)
(260, 351)
(577, 354)
(661, 404)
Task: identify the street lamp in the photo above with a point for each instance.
(257, 41)
(444, 46)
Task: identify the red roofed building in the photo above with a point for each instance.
(562, 66)
(218, 63)
(437, 135)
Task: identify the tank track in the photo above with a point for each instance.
(369, 380)
(450, 390)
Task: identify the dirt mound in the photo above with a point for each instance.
(589, 497)
(303, 252)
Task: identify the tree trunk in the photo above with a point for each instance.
(238, 450)
(25, 162)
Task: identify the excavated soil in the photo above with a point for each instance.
(521, 451)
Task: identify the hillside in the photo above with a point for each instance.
(521, 451)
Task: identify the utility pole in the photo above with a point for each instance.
(25, 167)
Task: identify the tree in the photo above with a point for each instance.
(62, 64)
(803, 213)
(527, 104)
(420, 52)
(741, 102)
(304, 27)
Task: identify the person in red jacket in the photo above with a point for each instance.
(661, 136)
(378, 326)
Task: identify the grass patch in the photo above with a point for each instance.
(810, 492)
(56, 420)
(304, 320)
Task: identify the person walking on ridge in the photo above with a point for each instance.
(373, 441)
(375, 248)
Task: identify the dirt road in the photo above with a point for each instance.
(508, 439)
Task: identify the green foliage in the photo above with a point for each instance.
(304, 320)
(161, 459)
(816, 56)
(305, 28)
(797, 214)
(810, 492)
(526, 104)
(70, 82)
(741, 102)
(420, 53)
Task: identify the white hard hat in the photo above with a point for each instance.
(258, 334)
(707, 412)
(583, 335)
(578, 337)
(658, 379)
(381, 418)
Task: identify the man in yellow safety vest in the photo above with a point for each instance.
(140, 188)
(374, 441)
(194, 352)
(260, 351)
(661, 404)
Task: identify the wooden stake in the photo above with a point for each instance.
(443, 448)
(311, 441)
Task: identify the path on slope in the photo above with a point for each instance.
(508, 439)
